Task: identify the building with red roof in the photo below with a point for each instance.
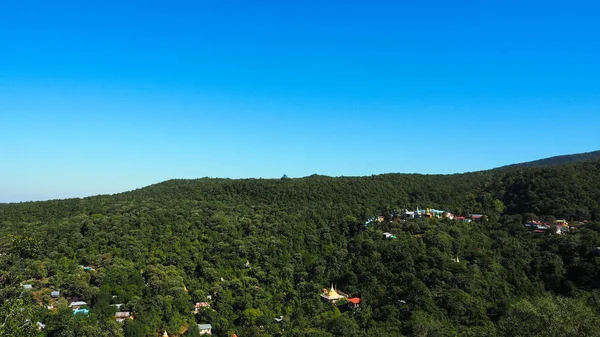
(353, 303)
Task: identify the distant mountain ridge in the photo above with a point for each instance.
(556, 160)
(419, 188)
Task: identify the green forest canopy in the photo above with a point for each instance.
(160, 249)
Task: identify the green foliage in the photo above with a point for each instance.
(423, 324)
(568, 192)
(16, 319)
(24, 246)
(193, 331)
(158, 250)
(550, 316)
(134, 329)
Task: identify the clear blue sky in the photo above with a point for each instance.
(107, 96)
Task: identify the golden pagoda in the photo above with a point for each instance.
(332, 295)
(165, 334)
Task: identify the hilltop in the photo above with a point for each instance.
(479, 178)
(556, 160)
(566, 190)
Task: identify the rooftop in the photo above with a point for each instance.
(77, 304)
(354, 300)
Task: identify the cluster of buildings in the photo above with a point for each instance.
(78, 306)
(558, 226)
(426, 213)
(204, 328)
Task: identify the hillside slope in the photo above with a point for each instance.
(570, 191)
(556, 160)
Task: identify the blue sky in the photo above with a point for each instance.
(108, 96)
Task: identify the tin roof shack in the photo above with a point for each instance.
(205, 329)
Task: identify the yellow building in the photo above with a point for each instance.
(332, 295)
(562, 223)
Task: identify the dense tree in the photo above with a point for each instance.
(550, 316)
(259, 249)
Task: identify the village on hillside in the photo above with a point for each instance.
(425, 213)
(558, 226)
(54, 300)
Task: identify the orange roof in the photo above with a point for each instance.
(354, 300)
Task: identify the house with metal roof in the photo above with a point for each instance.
(408, 214)
(205, 329)
(77, 304)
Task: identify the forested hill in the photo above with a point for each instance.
(556, 160)
(566, 191)
(355, 194)
(570, 191)
(253, 250)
